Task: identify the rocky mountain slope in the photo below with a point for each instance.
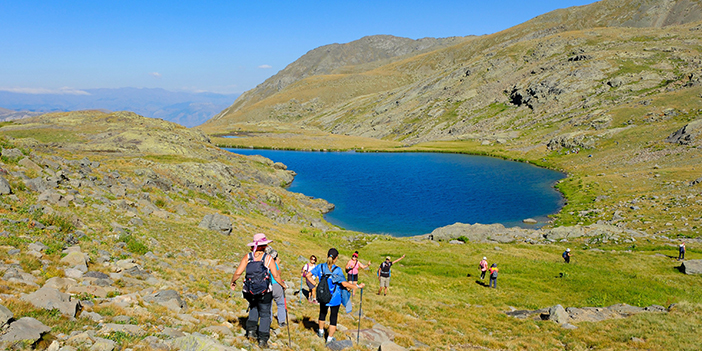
(593, 90)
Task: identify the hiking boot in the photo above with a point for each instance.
(263, 344)
(330, 339)
(252, 335)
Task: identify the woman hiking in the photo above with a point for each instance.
(308, 267)
(333, 276)
(352, 268)
(483, 267)
(257, 289)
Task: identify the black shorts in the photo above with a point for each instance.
(352, 277)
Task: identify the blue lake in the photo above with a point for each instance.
(405, 194)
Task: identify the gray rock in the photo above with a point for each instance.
(5, 316)
(529, 221)
(196, 342)
(217, 222)
(103, 345)
(96, 274)
(12, 153)
(49, 298)
(691, 267)
(558, 314)
(375, 337)
(168, 298)
(25, 329)
(686, 135)
(338, 345)
(37, 246)
(391, 346)
(129, 329)
(5, 188)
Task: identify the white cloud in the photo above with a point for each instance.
(155, 75)
(60, 91)
(265, 66)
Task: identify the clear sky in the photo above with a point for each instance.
(215, 46)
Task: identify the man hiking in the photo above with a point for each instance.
(483, 268)
(384, 274)
(566, 255)
(493, 276)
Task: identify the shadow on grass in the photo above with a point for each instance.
(310, 324)
(480, 282)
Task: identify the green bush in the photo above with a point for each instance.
(134, 245)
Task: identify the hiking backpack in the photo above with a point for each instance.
(258, 276)
(324, 294)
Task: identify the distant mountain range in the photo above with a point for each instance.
(187, 109)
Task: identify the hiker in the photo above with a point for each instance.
(493, 276)
(384, 274)
(566, 255)
(308, 267)
(331, 277)
(352, 267)
(483, 268)
(681, 252)
(277, 290)
(257, 287)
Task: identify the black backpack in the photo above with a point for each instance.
(258, 276)
(324, 294)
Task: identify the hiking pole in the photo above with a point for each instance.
(287, 322)
(301, 281)
(360, 313)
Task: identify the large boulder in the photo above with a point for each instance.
(686, 135)
(338, 345)
(75, 259)
(49, 298)
(5, 316)
(25, 329)
(691, 267)
(480, 233)
(558, 314)
(5, 188)
(217, 222)
(168, 298)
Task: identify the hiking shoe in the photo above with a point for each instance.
(320, 333)
(330, 339)
(263, 344)
(314, 301)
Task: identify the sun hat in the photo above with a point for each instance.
(485, 258)
(333, 253)
(387, 258)
(259, 239)
(567, 250)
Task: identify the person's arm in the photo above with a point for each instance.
(352, 286)
(364, 266)
(239, 271)
(276, 274)
(398, 260)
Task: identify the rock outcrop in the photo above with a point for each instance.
(691, 267)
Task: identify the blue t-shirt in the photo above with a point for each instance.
(335, 280)
(273, 279)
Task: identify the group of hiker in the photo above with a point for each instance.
(326, 282)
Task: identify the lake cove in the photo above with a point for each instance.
(406, 194)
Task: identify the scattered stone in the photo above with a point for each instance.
(103, 345)
(691, 267)
(529, 221)
(558, 314)
(197, 342)
(338, 345)
(5, 188)
(49, 298)
(74, 259)
(168, 298)
(25, 329)
(217, 222)
(129, 329)
(5, 316)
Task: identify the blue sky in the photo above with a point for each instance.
(214, 46)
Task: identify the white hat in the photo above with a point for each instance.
(485, 258)
(568, 250)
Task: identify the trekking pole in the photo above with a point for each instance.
(360, 313)
(301, 281)
(287, 321)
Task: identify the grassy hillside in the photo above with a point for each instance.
(433, 304)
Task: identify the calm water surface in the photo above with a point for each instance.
(405, 194)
